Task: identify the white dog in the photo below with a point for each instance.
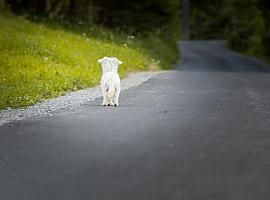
(110, 82)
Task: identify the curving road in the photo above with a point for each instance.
(201, 132)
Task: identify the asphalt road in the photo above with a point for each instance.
(201, 132)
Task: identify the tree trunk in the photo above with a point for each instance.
(185, 19)
(55, 9)
(2, 4)
(58, 8)
(90, 8)
(71, 7)
(48, 6)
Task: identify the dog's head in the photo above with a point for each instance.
(109, 64)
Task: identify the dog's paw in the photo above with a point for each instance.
(116, 105)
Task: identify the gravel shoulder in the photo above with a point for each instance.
(70, 100)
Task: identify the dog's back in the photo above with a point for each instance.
(110, 83)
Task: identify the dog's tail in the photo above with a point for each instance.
(111, 91)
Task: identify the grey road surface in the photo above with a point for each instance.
(201, 132)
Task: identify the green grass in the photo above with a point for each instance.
(41, 60)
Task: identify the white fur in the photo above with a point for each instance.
(110, 82)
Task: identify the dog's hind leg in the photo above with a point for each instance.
(105, 102)
(116, 98)
(110, 101)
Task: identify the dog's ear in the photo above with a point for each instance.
(102, 59)
(119, 62)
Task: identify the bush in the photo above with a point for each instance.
(242, 23)
(246, 30)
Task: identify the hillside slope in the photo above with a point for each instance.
(41, 60)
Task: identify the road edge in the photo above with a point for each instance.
(70, 100)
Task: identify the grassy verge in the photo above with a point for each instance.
(41, 60)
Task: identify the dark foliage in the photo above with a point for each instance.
(129, 16)
(244, 23)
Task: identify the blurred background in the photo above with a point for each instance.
(130, 16)
(243, 23)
